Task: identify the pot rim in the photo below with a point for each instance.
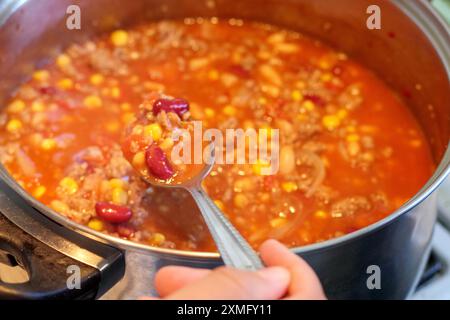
(423, 15)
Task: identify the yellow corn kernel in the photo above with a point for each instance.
(320, 214)
(324, 64)
(209, 113)
(259, 166)
(157, 239)
(59, 206)
(14, 125)
(92, 102)
(342, 114)
(113, 126)
(65, 84)
(116, 183)
(41, 75)
(63, 61)
(96, 225)
(96, 79)
(297, 95)
(240, 201)
(125, 106)
(229, 111)
(153, 130)
(213, 75)
(38, 106)
(128, 117)
(277, 222)
(69, 185)
(138, 160)
(167, 144)
(48, 144)
(353, 138)
(331, 122)
(353, 148)
(289, 186)
(326, 77)
(308, 105)
(219, 205)
(16, 106)
(262, 101)
(119, 196)
(39, 192)
(119, 38)
(115, 92)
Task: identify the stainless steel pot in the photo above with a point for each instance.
(411, 53)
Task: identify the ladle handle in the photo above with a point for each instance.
(233, 248)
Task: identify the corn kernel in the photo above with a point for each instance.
(353, 138)
(119, 196)
(63, 60)
(259, 166)
(93, 102)
(116, 183)
(326, 77)
(125, 106)
(65, 84)
(39, 192)
(324, 64)
(138, 160)
(96, 225)
(262, 101)
(48, 144)
(342, 114)
(353, 148)
(96, 79)
(209, 113)
(14, 125)
(16, 106)
(277, 222)
(153, 130)
(119, 38)
(115, 92)
(41, 75)
(69, 185)
(331, 122)
(320, 214)
(213, 75)
(297, 95)
(37, 106)
(59, 206)
(308, 105)
(167, 144)
(240, 201)
(229, 111)
(157, 239)
(289, 186)
(219, 205)
(128, 117)
(113, 126)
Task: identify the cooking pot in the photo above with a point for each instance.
(411, 52)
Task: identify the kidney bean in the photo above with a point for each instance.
(113, 213)
(178, 106)
(317, 100)
(157, 163)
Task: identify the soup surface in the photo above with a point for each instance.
(350, 152)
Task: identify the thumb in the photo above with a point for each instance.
(231, 284)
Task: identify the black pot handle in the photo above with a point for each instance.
(52, 274)
(48, 270)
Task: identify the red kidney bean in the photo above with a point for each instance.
(157, 163)
(317, 100)
(179, 106)
(113, 213)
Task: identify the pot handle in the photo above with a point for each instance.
(49, 271)
(60, 263)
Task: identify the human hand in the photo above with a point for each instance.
(286, 276)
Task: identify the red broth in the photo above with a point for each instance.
(351, 151)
